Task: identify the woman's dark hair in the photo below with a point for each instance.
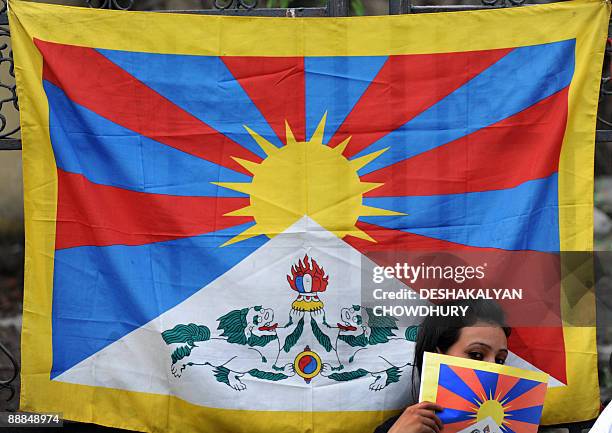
(441, 332)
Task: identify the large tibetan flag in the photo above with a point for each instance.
(471, 391)
(201, 193)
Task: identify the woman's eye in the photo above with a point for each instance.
(256, 320)
(500, 361)
(476, 355)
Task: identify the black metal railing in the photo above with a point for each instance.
(8, 384)
(9, 130)
(112, 4)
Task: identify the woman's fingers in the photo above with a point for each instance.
(434, 418)
(428, 410)
(419, 418)
(425, 428)
(430, 406)
(430, 422)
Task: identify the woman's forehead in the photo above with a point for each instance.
(487, 334)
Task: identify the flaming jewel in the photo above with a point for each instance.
(308, 279)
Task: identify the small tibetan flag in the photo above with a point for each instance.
(475, 391)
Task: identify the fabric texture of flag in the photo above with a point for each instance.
(201, 193)
(471, 391)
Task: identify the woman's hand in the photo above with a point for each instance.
(419, 418)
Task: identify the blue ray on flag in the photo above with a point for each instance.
(519, 218)
(334, 85)
(500, 91)
(83, 142)
(226, 107)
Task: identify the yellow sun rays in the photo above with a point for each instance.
(305, 178)
(491, 407)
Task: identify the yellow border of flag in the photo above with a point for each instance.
(431, 372)
(585, 20)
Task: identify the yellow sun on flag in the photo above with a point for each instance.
(492, 408)
(305, 178)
